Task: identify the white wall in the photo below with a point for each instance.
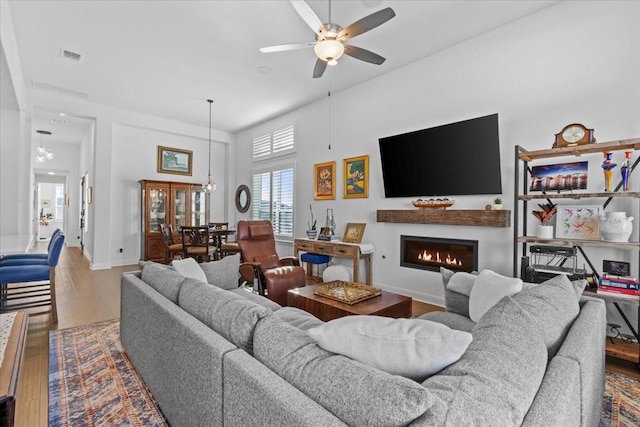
(573, 62)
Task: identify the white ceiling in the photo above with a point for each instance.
(165, 58)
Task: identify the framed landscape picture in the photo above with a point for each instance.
(174, 161)
(356, 177)
(578, 222)
(559, 177)
(324, 181)
(353, 232)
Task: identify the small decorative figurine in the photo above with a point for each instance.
(608, 166)
(625, 170)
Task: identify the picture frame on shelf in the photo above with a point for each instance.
(175, 161)
(324, 178)
(353, 232)
(578, 222)
(559, 177)
(356, 177)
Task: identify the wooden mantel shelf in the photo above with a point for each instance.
(471, 217)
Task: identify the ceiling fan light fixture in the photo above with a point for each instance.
(329, 50)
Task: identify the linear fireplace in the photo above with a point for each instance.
(431, 253)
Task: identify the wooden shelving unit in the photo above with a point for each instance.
(470, 217)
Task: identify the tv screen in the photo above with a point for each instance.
(460, 158)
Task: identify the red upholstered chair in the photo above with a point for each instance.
(260, 261)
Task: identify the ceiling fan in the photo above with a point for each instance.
(329, 45)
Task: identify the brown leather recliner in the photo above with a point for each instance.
(275, 275)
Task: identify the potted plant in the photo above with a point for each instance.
(311, 226)
(497, 203)
(547, 212)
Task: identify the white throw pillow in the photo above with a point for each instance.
(188, 267)
(412, 348)
(488, 289)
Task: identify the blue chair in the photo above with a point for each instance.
(19, 259)
(311, 259)
(20, 275)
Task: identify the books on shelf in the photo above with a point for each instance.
(628, 283)
(618, 292)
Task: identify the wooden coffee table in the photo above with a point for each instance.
(387, 305)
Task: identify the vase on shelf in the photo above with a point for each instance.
(625, 170)
(544, 231)
(607, 166)
(615, 226)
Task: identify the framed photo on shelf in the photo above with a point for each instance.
(559, 177)
(356, 177)
(578, 222)
(353, 232)
(175, 161)
(324, 181)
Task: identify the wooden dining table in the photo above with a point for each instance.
(216, 235)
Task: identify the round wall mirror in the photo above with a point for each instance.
(243, 198)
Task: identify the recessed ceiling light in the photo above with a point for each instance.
(264, 70)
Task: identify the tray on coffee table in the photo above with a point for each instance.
(347, 292)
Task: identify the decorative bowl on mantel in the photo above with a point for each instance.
(441, 203)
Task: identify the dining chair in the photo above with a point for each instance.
(196, 243)
(220, 234)
(172, 249)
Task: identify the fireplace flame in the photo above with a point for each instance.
(428, 257)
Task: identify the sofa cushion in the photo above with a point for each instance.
(452, 320)
(163, 279)
(553, 307)
(223, 273)
(497, 378)
(356, 393)
(188, 267)
(230, 315)
(488, 289)
(412, 348)
(258, 299)
(457, 290)
(298, 318)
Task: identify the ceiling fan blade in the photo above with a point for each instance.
(363, 54)
(367, 23)
(308, 15)
(283, 47)
(319, 68)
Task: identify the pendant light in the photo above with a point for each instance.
(210, 186)
(42, 152)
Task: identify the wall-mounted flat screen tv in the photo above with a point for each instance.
(461, 158)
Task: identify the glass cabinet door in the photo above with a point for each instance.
(157, 208)
(179, 208)
(198, 207)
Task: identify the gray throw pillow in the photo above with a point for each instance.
(163, 279)
(224, 273)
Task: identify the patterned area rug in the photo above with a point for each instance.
(92, 381)
(621, 406)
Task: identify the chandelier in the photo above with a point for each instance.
(43, 153)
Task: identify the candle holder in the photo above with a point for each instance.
(608, 166)
(625, 170)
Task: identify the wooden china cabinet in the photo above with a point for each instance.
(172, 203)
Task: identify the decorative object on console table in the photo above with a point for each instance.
(353, 232)
(356, 177)
(574, 134)
(174, 160)
(311, 226)
(616, 226)
(547, 212)
(324, 177)
(625, 170)
(578, 222)
(607, 166)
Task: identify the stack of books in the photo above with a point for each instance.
(620, 286)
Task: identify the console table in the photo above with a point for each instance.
(352, 251)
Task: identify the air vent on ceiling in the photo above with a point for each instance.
(60, 90)
(70, 55)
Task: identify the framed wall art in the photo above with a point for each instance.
(353, 232)
(324, 181)
(356, 177)
(559, 177)
(578, 222)
(175, 161)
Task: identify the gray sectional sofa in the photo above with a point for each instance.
(225, 357)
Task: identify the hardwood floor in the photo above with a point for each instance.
(85, 296)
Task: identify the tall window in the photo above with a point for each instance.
(273, 184)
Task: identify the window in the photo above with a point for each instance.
(273, 199)
(274, 144)
(59, 215)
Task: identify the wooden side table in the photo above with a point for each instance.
(10, 368)
(337, 249)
